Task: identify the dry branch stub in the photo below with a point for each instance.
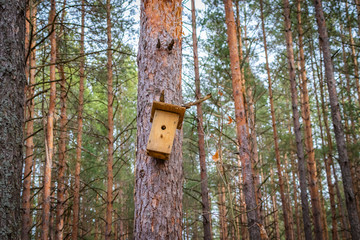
(165, 118)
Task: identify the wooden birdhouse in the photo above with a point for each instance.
(165, 118)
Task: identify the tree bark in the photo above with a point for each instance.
(29, 144)
(353, 53)
(338, 128)
(12, 98)
(297, 130)
(60, 207)
(158, 187)
(200, 130)
(275, 209)
(76, 207)
(110, 138)
(287, 220)
(311, 163)
(49, 145)
(241, 124)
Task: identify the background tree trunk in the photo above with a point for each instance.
(297, 130)
(29, 144)
(110, 138)
(200, 130)
(158, 187)
(49, 145)
(338, 128)
(76, 206)
(241, 124)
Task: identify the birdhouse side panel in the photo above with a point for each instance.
(162, 132)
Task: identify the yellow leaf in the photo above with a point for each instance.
(215, 157)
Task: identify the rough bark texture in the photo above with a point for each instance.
(327, 161)
(241, 124)
(76, 207)
(338, 128)
(158, 193)
(49, 145)
(200, 130)
(12, 84)
(297, 130)
(311, 163)
(287, 220)
(110, 158)
(29, 144)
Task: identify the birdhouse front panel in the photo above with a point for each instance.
(164, 125)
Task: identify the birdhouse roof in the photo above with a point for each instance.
(167, 107)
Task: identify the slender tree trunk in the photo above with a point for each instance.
(287, 220)
(222, 212)
(60, 208)
(12, 99)
(296, 208)
(29, 145)
(353, 53)
(201, 140)
(76, 207)
(299, 146)
(49, 128)
(244, 231)
(313, 180)
(275, 209)
(338, 128)
(110, 93)
(241, 125)
(158, 187)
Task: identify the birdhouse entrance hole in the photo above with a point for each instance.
(165, 118)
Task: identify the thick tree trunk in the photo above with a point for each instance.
(294, 101)
(287, 217)
(12, 98)
(200, 130)
(241, 125)
(311, 163)
(76, 206)
(158, 187)
(49, 145)
(110, 157)
(338, 128)
(29, 145)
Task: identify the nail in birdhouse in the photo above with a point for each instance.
(165, 118)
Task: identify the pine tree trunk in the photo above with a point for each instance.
(299, 146)
(296, 208)
(158, 187)
(109, 203)
(60, 208)
(29, 144)
(76, 207)
(311, 163)
(241, 124)
(200, 130)
(49, 128)
(353, 53)
(12, 99)
(338, 128)
(287, 217)
(222, 212)
(275, 209)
